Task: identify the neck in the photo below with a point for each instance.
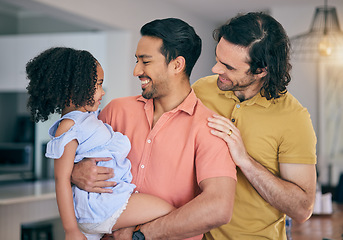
(72, 108)
(167, 103)
(249, 92)
(242, 96)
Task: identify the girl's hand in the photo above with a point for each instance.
(75, 235)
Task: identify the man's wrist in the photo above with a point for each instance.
(137, 234)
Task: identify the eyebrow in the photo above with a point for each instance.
(226, 65)
(143, 56)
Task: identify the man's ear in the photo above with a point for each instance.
(179, 64)
(261, 72)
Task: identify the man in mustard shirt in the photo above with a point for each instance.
(268, 132)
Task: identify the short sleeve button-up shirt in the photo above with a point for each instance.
(172, 158)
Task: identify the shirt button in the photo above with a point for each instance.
(149, 141)
(233, 120)
(142, 166)
(238, 106)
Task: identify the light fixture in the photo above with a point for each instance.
(325, 37)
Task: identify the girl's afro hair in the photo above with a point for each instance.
(58, 77)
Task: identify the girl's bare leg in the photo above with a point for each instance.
(142, 208)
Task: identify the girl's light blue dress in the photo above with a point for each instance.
(95, 139)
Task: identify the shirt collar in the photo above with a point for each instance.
(188, 105)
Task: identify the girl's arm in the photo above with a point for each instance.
(63, 167)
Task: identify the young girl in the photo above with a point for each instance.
(69, 82)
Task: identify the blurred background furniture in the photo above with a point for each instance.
(321, 226)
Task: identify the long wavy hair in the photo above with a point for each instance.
(269, 48)
(59, 77)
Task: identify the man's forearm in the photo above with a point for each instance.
(283, 194)
(212, 208)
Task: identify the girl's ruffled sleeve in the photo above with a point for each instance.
(55, 146)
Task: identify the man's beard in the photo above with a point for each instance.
(222, 86)
(149, 94)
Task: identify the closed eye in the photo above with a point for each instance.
(143, 58)
(144, 62)
(229, 67)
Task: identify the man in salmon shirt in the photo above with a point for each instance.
(174, 156)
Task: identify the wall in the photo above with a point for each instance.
(304, 84)
(37, 23)
(130, 16)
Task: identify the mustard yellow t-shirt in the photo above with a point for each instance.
(274, 131)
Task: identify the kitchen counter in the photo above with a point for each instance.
(20, 192)
(25, 202)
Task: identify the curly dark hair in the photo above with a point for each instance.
(58, 77)
(269, 48)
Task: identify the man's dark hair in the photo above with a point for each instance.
(179, 39)
(268, 45)
(60, 76)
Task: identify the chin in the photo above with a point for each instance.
(223, 86)
(147, 95)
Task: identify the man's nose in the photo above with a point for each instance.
(137, 71)
(217, 69)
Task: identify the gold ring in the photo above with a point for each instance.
(230, 132)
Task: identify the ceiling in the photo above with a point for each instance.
(219, 10)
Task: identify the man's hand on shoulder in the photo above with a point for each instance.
(92, 178)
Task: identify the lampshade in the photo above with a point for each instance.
(325, 37)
